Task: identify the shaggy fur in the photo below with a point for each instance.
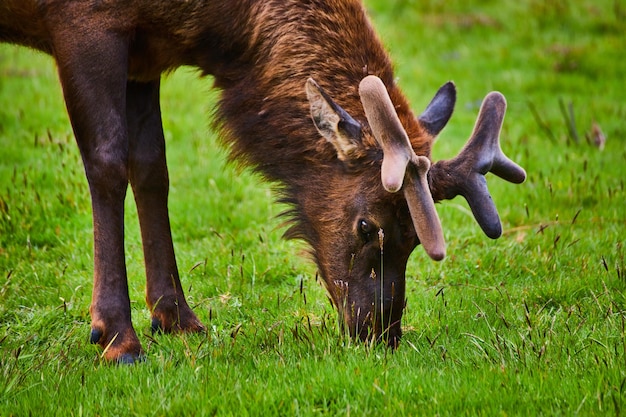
(111, 55)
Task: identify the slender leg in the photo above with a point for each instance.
(92, 68)
(150, 183)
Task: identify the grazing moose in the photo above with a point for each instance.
(308, 99)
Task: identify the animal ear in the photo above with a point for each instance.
(439, 110)
(333, 122)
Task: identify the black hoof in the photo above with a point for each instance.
(95, 336)
(130, 359)
(156, 326)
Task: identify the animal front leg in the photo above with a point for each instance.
(149, 180)
(92, 69)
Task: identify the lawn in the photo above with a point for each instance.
(531, 324)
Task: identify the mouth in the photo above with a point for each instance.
(373, 325)
(370, 301)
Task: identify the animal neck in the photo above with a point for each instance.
(263, 110)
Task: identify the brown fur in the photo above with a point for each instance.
(111, 54)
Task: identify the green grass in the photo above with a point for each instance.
(531, 324)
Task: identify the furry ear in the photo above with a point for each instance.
(333, 122)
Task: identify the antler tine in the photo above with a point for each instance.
(400, 164)
(422, 208)
(388, 131)
(485, 140)
(465, 173)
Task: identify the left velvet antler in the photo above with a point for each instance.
(401, 167)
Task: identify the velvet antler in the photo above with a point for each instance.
(402, 166)
(465, 174)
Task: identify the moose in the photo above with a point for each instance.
(307, 98)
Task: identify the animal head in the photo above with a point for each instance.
(371, 215)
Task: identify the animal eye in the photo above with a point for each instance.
(365, 229)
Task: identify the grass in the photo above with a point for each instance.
(531, 324)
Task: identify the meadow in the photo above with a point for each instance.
(533, 323)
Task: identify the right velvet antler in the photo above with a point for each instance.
(465, 174)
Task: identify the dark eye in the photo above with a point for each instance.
(365, 229)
